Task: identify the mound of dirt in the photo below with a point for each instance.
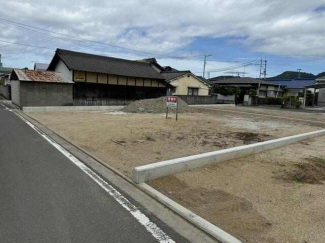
(157, 105)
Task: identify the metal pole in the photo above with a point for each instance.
(177, 111)
(259, 80)
(299, 72)
(305, 94)
(204, 63)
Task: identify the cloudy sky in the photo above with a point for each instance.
(289, 34)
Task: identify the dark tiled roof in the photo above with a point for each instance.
(172, 74)
(102, 64)
(294, 83)
(241, 81)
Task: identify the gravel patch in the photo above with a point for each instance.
(157, 105)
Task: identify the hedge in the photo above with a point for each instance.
(270, 101)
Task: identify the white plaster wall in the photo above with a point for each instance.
(183, 83)
(321, 97)
(62, 68)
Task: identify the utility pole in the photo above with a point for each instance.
(204, 63)
(259, 80)
(265, 73)
(0, 61)
(299, 72)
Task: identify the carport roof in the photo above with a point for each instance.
(102, 64)
(239, 80)
(38, 76)
(294, 83)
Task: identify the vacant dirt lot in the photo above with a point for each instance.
(284, 113)
(276, 196)
(129, 140)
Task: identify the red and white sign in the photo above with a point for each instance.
(172, 101)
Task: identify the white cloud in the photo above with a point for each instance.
(280, 27)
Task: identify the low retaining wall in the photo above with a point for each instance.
(169, 167)
(5, 92)
(204, 100)
(71, 108)
(214, 105)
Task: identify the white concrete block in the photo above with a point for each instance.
(169, 167)
(203, 224)
(71, 108)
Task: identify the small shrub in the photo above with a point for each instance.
(149, 138)
(297, 103)
(271, 101)
(225, 90)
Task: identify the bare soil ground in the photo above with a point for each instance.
(129, 140)
(285, 113)
(276, 196)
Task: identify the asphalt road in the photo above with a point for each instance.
(44, 197)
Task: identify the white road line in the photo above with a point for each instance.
(151, 227)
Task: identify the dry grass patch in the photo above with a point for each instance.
(312, 171)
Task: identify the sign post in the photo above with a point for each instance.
(172, 103)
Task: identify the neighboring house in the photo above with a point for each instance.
(186, 83)
(103, 80)
(294, 86)
(320, 84)
(267, 89)
(182, 82)
(40, 88)
(5, 74)
(41, 66)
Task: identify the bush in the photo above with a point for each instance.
(270, 101)
(297, 103)
(225, 90)
(252, 93)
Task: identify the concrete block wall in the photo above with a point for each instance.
(45, 94)
(15, 92)
(5, 91)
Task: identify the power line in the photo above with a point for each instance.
(20, 25)
(22, 44)
(234, 67)
(49, 37)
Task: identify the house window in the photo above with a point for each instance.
(193, 91)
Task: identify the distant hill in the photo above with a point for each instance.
(293, 75)
(320, 75)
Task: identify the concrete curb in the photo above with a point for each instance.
(214, 105)
(71, 108)
(203, 224)
(151, 171)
